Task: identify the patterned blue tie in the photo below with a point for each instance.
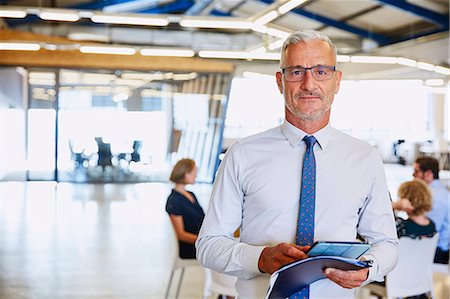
(305, 225)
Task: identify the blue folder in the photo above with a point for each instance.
(295, 276)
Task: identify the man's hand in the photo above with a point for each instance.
(273, 258)
(347, 279)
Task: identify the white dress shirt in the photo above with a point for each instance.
(258, 189)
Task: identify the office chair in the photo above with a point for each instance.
(219, 283)
(180, 264)
(413, 274)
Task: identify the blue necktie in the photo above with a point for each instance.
(305, 225)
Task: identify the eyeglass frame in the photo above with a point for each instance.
(333, 68)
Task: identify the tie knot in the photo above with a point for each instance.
(310, 141)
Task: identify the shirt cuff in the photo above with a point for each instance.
(373, 271)
(250, 258)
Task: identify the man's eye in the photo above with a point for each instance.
(296, 72)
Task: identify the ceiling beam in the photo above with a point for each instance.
(199, 7)
(99, 5)
(59, 58)
(431, 16)
(78, 60)
(177, 7)
(133, 6)
(380, 39)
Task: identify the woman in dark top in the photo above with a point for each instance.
(183, 208)
(417, 225)
(415, 200)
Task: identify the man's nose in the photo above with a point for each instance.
(308, 81)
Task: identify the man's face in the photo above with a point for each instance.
(417, 173)
(309, 99)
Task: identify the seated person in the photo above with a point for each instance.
(418, 224)
(416, 201)
(427, 169)
(183, 208)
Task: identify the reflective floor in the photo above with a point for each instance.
(111, 241)
(88, 241)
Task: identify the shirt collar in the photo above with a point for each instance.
(295, 135)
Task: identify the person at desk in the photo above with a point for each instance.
(427, 169)
(282, 205)
(183, 208)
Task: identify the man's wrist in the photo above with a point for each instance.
(260, 260)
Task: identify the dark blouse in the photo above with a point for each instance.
(178, 204)
(409, 228)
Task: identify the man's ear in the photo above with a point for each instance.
(338, 83)
(279, 77)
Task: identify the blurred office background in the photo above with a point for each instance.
(99, 99)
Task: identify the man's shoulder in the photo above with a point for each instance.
(261, 137)
(440, 189)
(347, 140)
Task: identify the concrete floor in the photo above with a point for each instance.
(111, 241)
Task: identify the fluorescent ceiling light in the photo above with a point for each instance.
(224, 54)
(12, 13)
(130, 19)
(180, 77)
(434, 82)
(239, 55)
(107, 50)
(45, 82)
(374, 59)
(137, 5)
(407, 62)
(143, 76)
(20, 46)
(278, 33)
(96, 76)
(225, 23)
(425, 66)
(41, 75)
(266, 56)
(270, 31)
(247, 74)
(442, 70)
(66, 16)
(167, 52)
(343, 58)
(268, 17)
(276, 44)
(119, 97)
(288, 6)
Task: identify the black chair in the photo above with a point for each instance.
(136, 154)
(104, 153)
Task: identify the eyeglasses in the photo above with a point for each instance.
(319, 72)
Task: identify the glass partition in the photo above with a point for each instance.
(124, 126)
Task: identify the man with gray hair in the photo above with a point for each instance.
(298, 183)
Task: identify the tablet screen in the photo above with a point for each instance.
(344, 249)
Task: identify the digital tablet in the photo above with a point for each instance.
(344, 249)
